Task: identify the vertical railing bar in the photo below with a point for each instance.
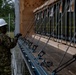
(46, 20)
(44, 23)
(35, 22)
(66, 23)
(56, 23)
(49, 20)
(74, 20)
(58, 20)
(49, 23)
(74, 17)
(53, 22)
(39, 22)
(70, 23)
(59, 23)
(61, 20)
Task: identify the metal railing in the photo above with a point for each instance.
(67, 26)
(31, 61)
(60, 28)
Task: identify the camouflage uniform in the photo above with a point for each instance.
(5, 56)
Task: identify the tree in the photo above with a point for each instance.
(1, 5)
(6, 7)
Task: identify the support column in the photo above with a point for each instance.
(17, 17)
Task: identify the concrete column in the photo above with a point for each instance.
(17, 17)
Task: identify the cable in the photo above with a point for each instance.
(54, 29)
(65, 54)
(67, 63)
(67, 47)
(42, 23)
(66, 50)
(40, 26)
(29, 30)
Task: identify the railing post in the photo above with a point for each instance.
(61, 19)
(74, 15)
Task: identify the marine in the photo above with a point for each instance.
(6, 43)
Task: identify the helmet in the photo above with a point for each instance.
(2, 22)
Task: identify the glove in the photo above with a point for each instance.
(18, 35)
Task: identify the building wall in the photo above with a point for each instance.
(27, 16)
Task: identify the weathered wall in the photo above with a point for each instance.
(18, 66)
(26, 14)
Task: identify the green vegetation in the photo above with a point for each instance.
(6, 7)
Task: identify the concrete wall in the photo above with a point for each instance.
(17, 62)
